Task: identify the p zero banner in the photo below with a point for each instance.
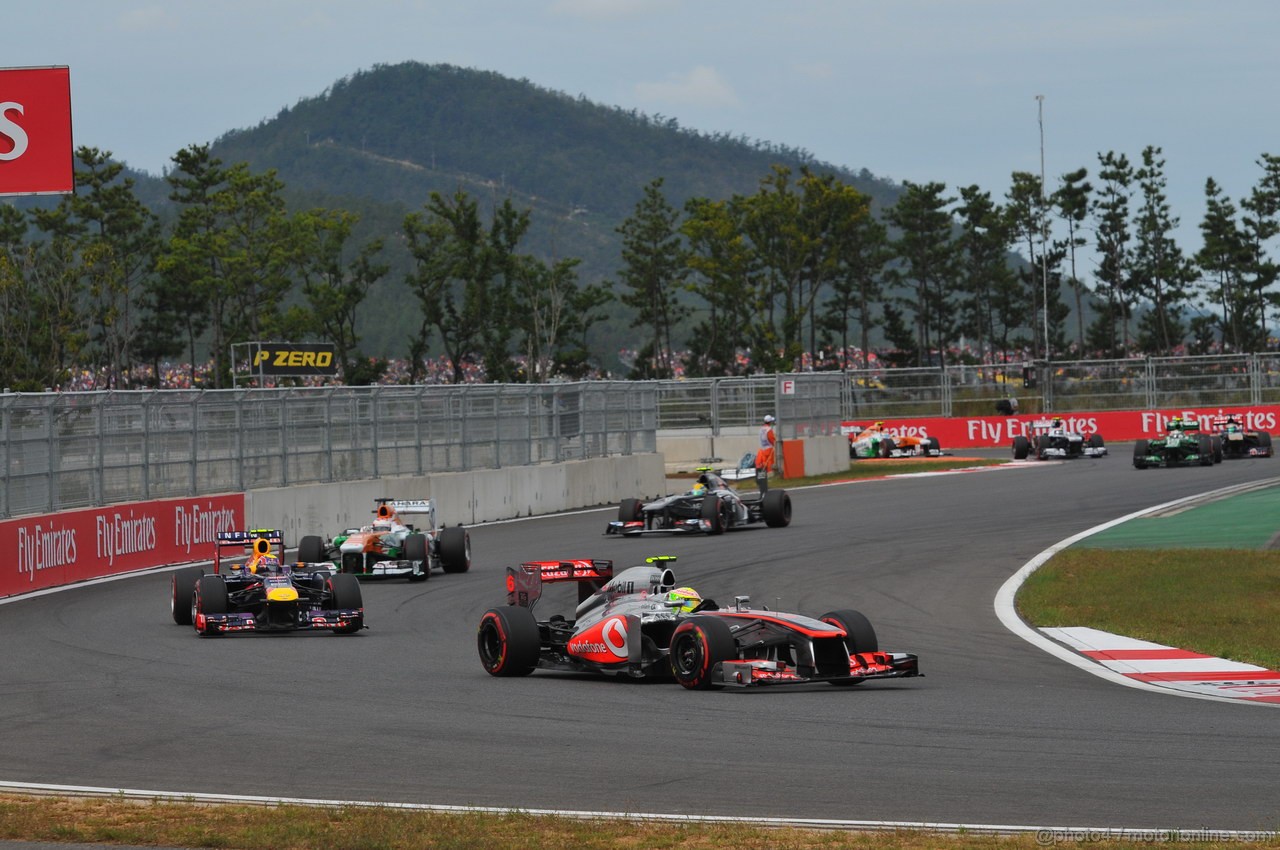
(1115, 426)
(36, 155)
(45, 551)
(293, 358)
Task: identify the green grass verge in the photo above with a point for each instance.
(1222, 602)
(120, 821)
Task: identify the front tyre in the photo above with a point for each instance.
(508, 641)
(711, 514)
(415, 549)
(345, 595)
(455, 549)
(1140, 454)
(859, 636)
(630, 510)
(776, 509)
(697, 646)
(1021, 448)
(311, 549)
(183, 589)
(210, 598)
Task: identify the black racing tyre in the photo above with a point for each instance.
(210, 598)
(886, 447)
(631, 510)
(776, 509)
(311, 549)
(1217, 449)
(859, 635)
(344, 594)
(932, 448)
(709, 510)
(697, 645)
(183, 589)
(508, 641)
(1140, 454)
(1264, 442)
(1095, 441)
(455, 549)
(1021, 447)
(415, 549)
(1205, 448)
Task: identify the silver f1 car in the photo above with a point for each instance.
(1051, 439)
(711, 507)
(628, 625)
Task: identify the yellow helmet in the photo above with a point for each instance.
(687, 597)
(699, 489)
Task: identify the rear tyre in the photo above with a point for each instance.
(311, 549)
(859, 636)
(697, 646)
(776, 509)
(455, 549)
(508, 641)
(415, 549)
(1021, 448)
(1264, 442)
(210, 597)
(183, 588)
(631, 510)
(1205, 447)
(886, 447)
(1140, 454)
(344, 595)
(710, 512)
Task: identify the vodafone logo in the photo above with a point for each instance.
(614, 635)
(12, 136)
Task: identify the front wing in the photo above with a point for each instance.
(636, 528)
(747, 673)
(244, 621)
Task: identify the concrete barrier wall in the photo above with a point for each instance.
(825, 454)
(461, 497)
(684, 452)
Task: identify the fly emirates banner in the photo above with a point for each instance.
(53, 549)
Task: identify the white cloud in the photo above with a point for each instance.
(702, 86)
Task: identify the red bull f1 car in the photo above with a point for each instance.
(263, 593)
(1237, 441)
(390, 547)
(638, 624)
(711, 507)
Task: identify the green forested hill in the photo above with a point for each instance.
(379, 142)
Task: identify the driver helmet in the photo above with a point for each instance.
(699, 489)
(1057, 422)
(687, 597)
(878, 426)
(265, 564)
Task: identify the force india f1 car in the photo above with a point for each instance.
(875, 441)
(1050, 439)
(1183, 444)
(264, 594)
(711, 507)
(390, 547)
(626, 625)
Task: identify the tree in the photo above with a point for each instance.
(993, 303)
(1261, 223)
(335, 288)
(1111, 215)
(1223, 257)
(1072, 202)
(857, 284)
(1161, 273)
(928, 257)
(653, 271)
(721, 263)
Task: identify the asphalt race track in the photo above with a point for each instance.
(100, 688)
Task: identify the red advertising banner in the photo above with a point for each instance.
(54, 549)
(963, 432)
(36, 153)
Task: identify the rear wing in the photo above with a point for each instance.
(247, 542)
(524, 582)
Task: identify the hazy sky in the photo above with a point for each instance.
(909, 90)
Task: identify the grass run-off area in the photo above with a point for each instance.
(111, 820)
(1221, 602)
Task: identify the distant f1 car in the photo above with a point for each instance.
(389, 547)
(264, 594)
(1236, 441)
(876, 441)
(628, 625)
(1050, 439)
(1183, 444)
(711, 507)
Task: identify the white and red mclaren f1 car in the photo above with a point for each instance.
(628, 624)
